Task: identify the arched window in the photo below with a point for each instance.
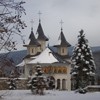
(32, 50)
(55, 70)
(63, 50)
(64, 70)
(59, 71)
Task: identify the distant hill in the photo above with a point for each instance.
(97, 61)
(18, 56)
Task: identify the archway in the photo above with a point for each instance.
(58, 84)
(63, 84)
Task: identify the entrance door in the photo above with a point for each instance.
(58, 84)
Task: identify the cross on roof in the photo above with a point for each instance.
(32, 23)
(39, 16)
(61, 22)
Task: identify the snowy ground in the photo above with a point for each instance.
(49, 95)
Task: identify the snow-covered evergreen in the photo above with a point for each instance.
(37, 84)
(51, 82)
(83, 66)
(12, 84)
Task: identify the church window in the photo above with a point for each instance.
(62, 50)
(64, 70)
(32, 50)
(55, 70)
(59, 71)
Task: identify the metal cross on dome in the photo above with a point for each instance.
(61, 22)
(32, 23)
(39, 16)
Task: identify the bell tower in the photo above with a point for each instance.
(33, 45)
(41, 36)
(62, 48)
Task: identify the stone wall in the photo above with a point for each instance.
(20, 83)
(3, 84)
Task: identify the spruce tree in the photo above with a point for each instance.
(38, 82)
(83, 66)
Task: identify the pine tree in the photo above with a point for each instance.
(83, 66)
(38, 82)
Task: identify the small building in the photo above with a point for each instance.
(54, 60)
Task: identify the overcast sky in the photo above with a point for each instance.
(76, 15)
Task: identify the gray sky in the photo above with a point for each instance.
(76, 15)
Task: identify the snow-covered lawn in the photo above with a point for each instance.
(49, 95)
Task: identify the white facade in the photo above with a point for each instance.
(46, 60)
(51, 63)
(62, 80)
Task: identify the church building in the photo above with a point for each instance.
(54, 60)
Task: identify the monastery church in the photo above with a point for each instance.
(55, 61)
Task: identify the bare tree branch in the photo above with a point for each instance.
(10, 23)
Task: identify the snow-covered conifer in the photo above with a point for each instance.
(51, 82)
(12, 84)
(38, 82)
(83, 58)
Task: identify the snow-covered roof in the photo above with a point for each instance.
(21, 64)
(58, 41)
(45, 57)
